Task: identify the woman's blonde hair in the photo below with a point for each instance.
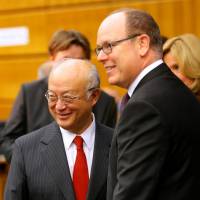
(186, 50)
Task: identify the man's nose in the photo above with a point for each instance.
(60, 104)
(102, 56)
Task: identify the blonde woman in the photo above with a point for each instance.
(182, 55)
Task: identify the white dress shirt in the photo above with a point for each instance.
(88, 145)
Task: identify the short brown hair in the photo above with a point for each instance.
(62, 40)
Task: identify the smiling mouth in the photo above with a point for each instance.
(63, 116)
(109, 68)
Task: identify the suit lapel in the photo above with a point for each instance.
(98, 175)
(55, 159)
(155, 73)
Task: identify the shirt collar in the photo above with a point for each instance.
(87, 135)
(145, 71)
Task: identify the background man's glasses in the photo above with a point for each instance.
(107, 47)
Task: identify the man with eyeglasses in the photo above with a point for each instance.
(67, 159)
(30, 111)
(156, 144)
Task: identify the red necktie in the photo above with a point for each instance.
(80, 174)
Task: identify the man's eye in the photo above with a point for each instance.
(67, 98)
(99, 49)
(52, 97)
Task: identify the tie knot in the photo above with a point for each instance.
(78, 141)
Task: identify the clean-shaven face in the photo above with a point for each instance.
(68, 81)
(121, 63)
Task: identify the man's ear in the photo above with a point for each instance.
(95, 96)
(144, 44)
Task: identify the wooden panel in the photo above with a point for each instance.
(8, 5)
(14, 71)
(36, 23)
(13, 74)
(195, 16)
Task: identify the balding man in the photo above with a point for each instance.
(155, 150)
(67, 159)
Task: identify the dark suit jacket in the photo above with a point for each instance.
(156, 146)
(30, 112)
(39, 168)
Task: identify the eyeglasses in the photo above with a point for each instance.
(108, 46)
(52, 97)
